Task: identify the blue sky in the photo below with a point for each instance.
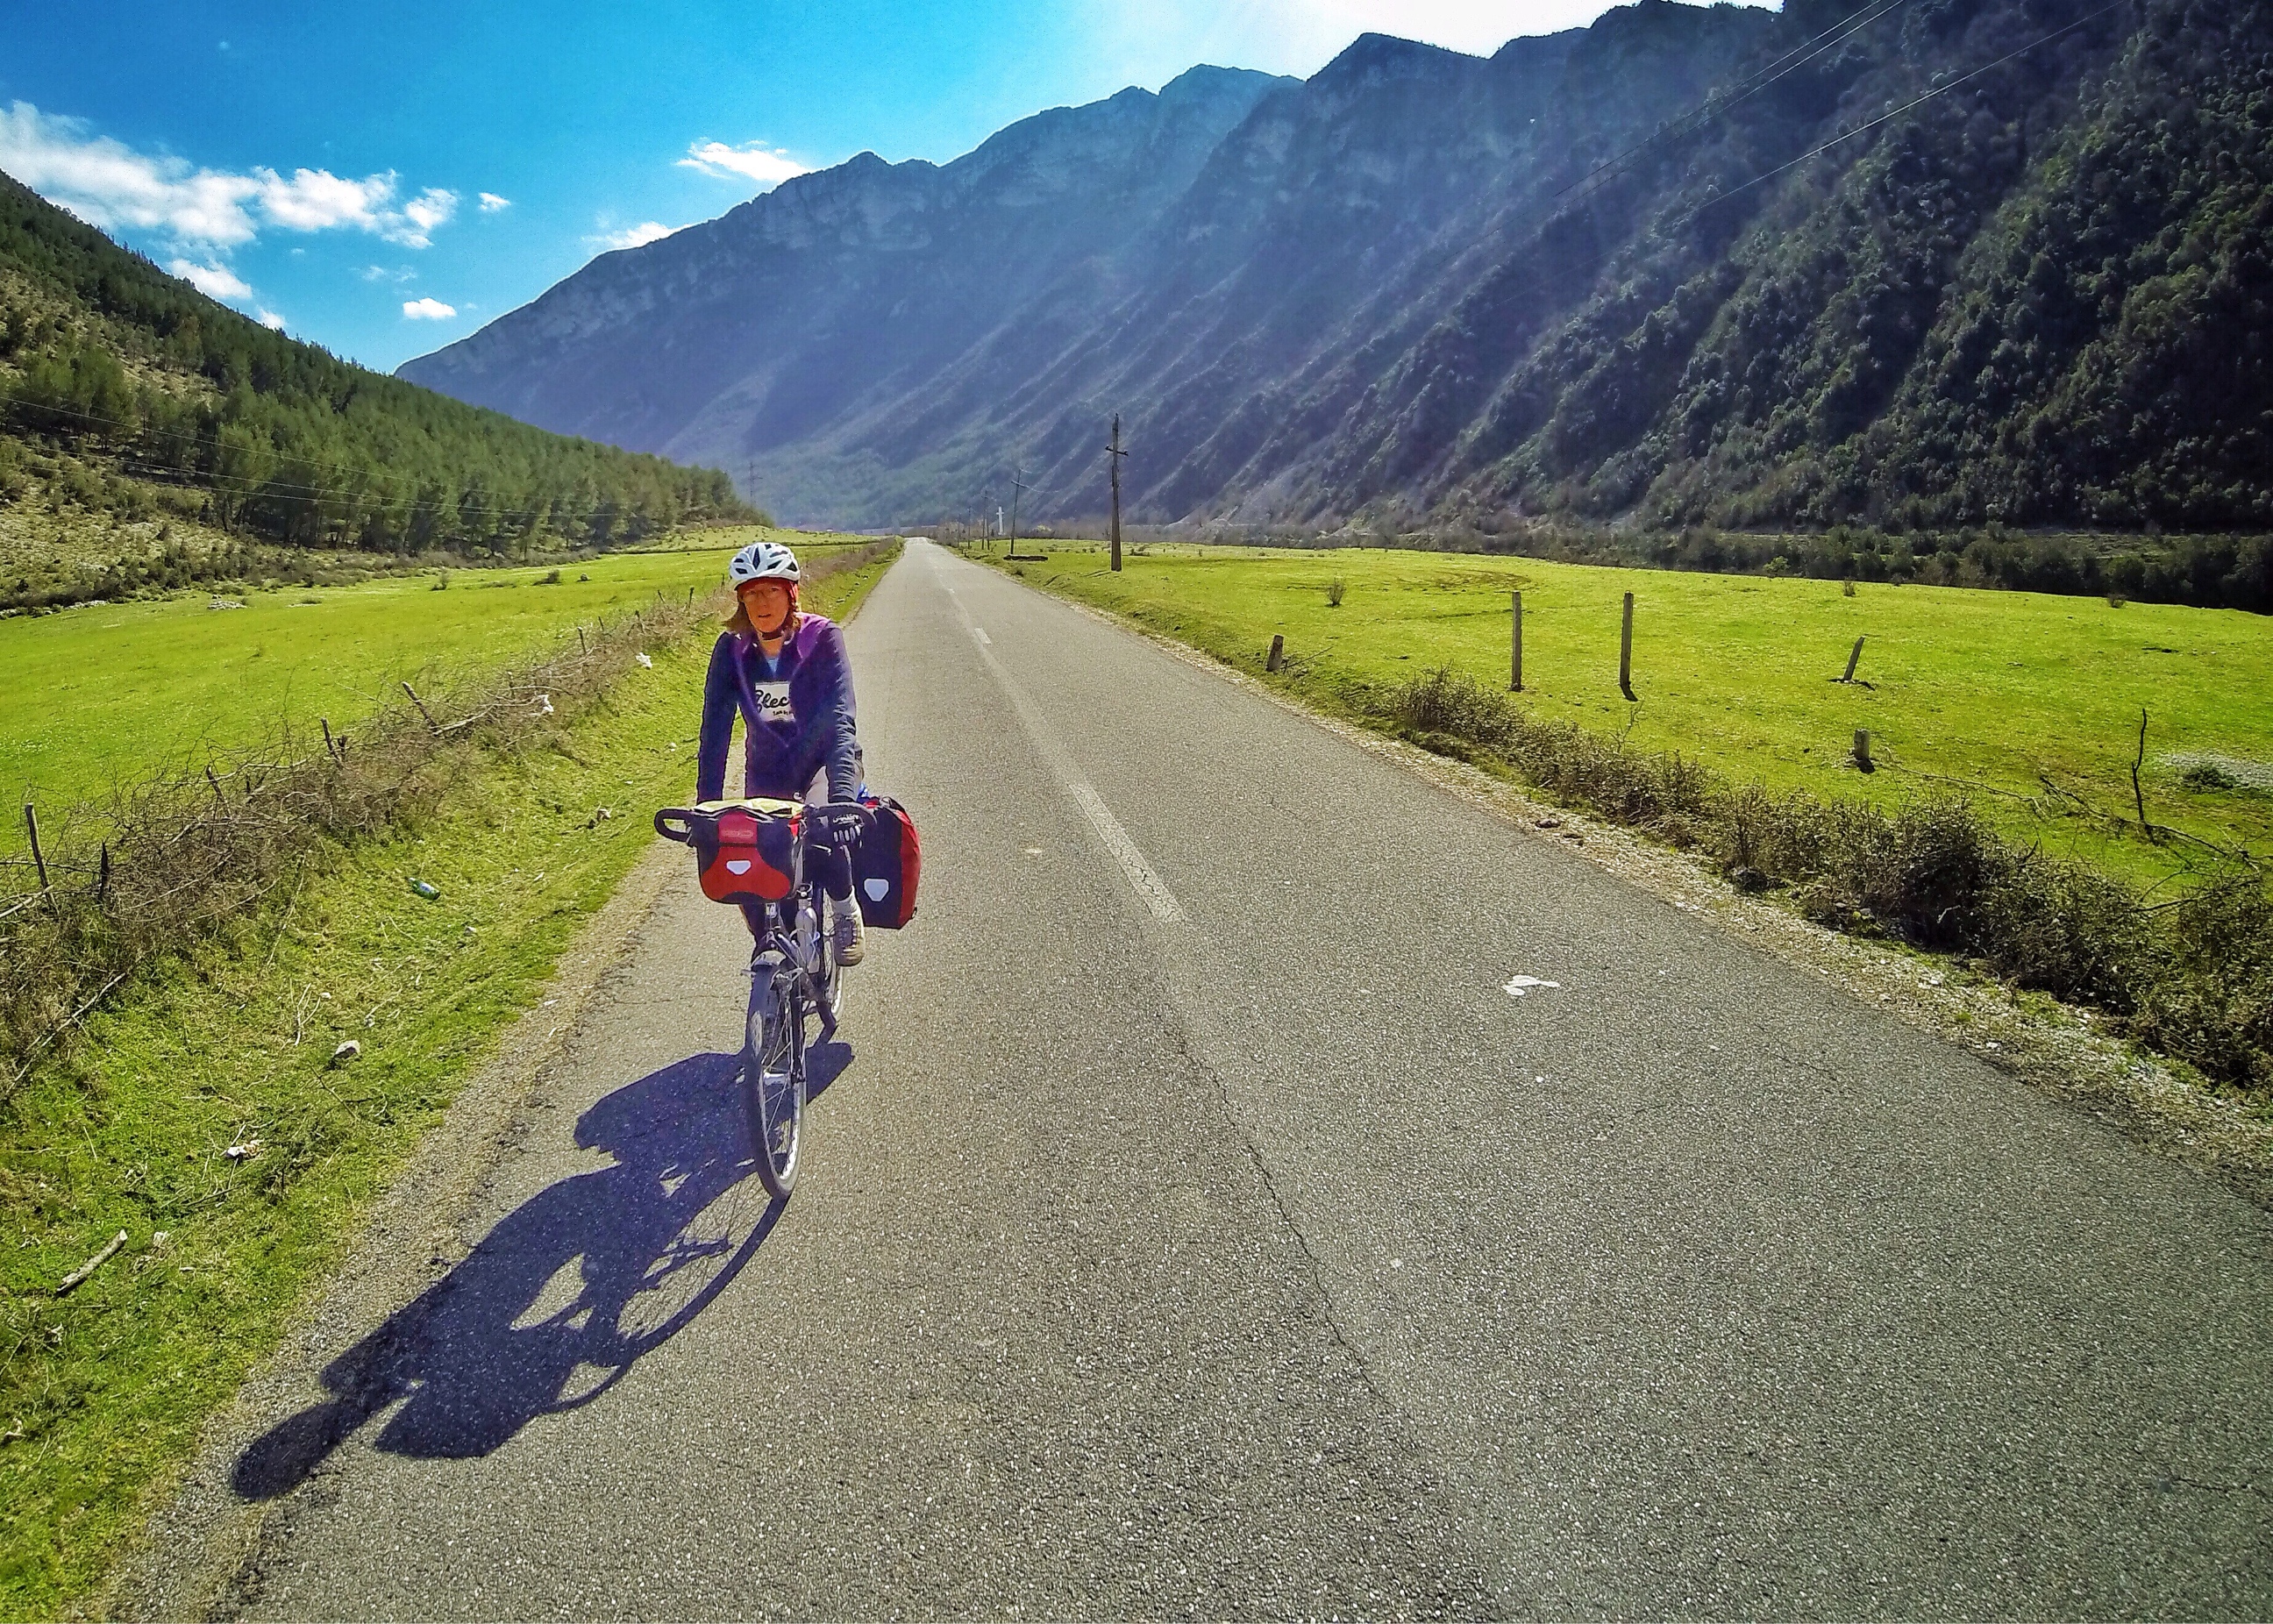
(384, 178)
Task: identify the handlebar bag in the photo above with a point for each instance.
(743, 856)
(886, 865)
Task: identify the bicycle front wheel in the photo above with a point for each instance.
(773, 1070)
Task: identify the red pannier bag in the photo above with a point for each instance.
(886, 865)
(742, 848)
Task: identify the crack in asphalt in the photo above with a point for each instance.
(1262, 1165)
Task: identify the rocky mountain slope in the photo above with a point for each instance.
(1926, 263)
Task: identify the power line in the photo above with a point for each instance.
(1782, 67)
(1892, 113)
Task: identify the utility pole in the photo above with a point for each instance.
(1115, 464)
(1018, 488)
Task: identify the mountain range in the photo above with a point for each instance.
(1926, 263)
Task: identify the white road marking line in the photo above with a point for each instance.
(1148, 884)
(1523, 984)
(1143, 878)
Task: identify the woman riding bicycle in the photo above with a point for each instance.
(788, 674)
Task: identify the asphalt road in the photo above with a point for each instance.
(1196, 1223)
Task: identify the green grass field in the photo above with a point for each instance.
(2029, 704)
(102, 1392)
(95, 695)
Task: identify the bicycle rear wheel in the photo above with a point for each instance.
(773, 1070)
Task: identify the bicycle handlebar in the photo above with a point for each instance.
(678, 822)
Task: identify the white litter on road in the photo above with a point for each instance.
(1522, 984)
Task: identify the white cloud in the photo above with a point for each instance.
(215, 281)
(755, 162)
(636, 236)
(492, 203)
(318, 200)
(271, 320)
(427, 310)
(109, 184)
(430, 209)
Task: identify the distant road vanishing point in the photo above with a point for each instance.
(1195, 1223)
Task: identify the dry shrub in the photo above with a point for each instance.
(1627, 786)
(1922, 874)
(1778, 837)
(2214, 1005)
(1455, 707)
(2069, 931)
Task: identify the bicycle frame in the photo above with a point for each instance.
(794, 932)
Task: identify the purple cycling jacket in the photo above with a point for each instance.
(796, 716)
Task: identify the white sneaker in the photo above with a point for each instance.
(848, 936)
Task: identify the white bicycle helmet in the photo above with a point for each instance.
(762, 561)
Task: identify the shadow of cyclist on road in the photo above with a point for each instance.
(566, 1292)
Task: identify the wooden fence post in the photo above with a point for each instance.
(1863, 750)
(1278, 652)
(2137, 792)
(1625, 649)
(39, 858)
(1852, 660)
(1515, 657)
(432, 726)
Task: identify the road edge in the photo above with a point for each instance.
(2055, 1048)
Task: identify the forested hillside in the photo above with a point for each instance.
(1923, 265)
(125, 393)
(2040, 297)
